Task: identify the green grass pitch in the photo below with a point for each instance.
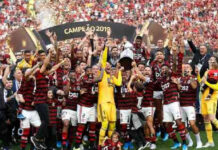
(166, 145)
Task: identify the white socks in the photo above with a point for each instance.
(190, 142)
(198, 138)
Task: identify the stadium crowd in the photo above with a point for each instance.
(77, 89)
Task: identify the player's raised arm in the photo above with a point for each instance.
(130, 83)
(6, 73)
(118, 81)
(32, 70)
(212, 86)
(54, 68)
(104, 57)
(45, 63)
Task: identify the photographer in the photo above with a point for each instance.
(8, 107)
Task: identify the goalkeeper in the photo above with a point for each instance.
(106, 105)
(209, 105)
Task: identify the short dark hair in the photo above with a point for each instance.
(113, 47)
(10, 78)
(88, 67)
(24, 70)
(165, 65)
(146, 66)
(159, 51)
(141, 63)
(41, 51)
(27, 51)
(216, 57)
(139, 37)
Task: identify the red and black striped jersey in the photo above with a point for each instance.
(187, 93)
(73, 95)
(87, 99)
(136, 101)
(52, 80)
(123, 98)
(156, 69)
(59, 80)
(27, 90)
(41, 88)
(148, 100)
(170, 90)
(140, 54)
(52, 105)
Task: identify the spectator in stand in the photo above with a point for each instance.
(165, 50)
(201, 56)
(199, 62)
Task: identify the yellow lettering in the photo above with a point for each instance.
(79, 29)
(85, 28)
(66, 31)
(70, 30)
(92, 28)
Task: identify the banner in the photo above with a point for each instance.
(155, 32)
(77, 29)
(22, 39)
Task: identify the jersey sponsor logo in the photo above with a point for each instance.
(165, 86)
(73, 95)
(157, 74)
(123, 91)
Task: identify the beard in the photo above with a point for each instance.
(186, 73)
(165, 74)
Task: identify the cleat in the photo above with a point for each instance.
(35, 142)
(58, 144)
(147, 144)
(166, 137)
(176, 145)
(184, 147)
(190, 144)
(208, 144)
(126, 146)
(199, 145)
(42, 145)
(76, 148)
(153, 146)
(131, 146)
(141, 148)
(81, 147)
(158, 134)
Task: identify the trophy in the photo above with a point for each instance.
(126, 56)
